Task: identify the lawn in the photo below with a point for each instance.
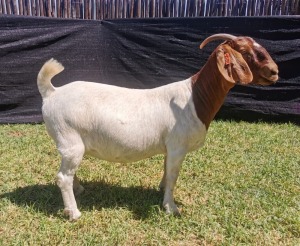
(241, 188)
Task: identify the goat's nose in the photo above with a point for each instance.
(270, 72)
(271, 69)
(274, 71)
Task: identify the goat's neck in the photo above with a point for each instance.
(209, 89)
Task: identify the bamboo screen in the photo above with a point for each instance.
(111, 9)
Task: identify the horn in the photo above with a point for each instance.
(218, 36)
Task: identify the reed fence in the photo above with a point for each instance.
(111, 9)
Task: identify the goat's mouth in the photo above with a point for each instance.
(265, 81)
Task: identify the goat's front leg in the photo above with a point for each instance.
(174, 160)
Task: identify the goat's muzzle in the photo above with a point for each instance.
(269, 74)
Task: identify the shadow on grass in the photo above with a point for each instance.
(48, 200)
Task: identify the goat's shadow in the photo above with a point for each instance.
(48, 200)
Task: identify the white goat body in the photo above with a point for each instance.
(124, 125)
(118, 125)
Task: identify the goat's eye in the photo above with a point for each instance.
(260, 56)
(247, 55)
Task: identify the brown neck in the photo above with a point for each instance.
(209, 89)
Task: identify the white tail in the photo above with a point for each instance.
(47, 72)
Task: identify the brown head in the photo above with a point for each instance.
(244, 60)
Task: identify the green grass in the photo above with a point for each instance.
(241, 188)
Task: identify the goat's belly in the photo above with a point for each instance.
(123, 156)
(123, 151)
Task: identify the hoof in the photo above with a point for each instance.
(73, 214)
(172, 209)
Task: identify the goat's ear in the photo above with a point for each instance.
(232, 65)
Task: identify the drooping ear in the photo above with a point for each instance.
(232, 65)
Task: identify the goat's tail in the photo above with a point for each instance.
(47, 72)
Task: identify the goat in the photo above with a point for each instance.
(126, 125)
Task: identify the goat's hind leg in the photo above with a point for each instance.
(71, 159)
(162, 183)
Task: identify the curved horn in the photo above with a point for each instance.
(218, 36)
